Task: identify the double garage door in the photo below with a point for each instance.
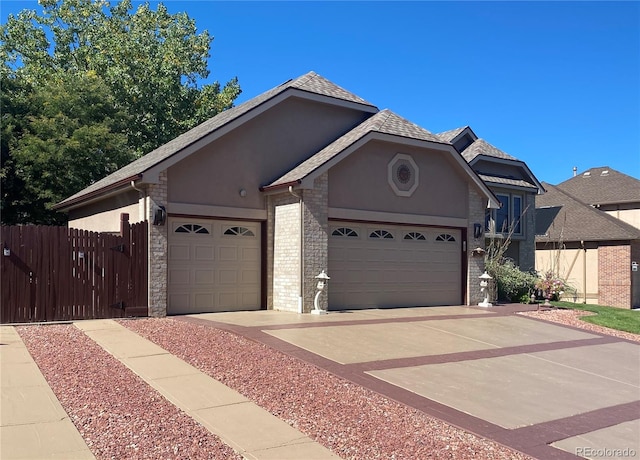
(374, 265)
(214, 265)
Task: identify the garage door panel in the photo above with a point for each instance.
(179, 277)
(213, 265)
(179, 252)
(250, 255)
(377, 272)
(203, 253)
(203, 277)
(228, 253)
(228, 276)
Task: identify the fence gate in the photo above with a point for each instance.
(60, 273)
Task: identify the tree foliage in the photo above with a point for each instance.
(87, 87)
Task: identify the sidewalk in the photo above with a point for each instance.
(35, 426)
(33, 423)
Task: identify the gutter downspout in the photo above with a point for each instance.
(584, 270)
(143, 195)
(301, 258)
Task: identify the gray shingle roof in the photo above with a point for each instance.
(507, 181)
(385, 122)
(562, 217)
(451, 134)
(482, 147)
(603, 185)
(310, 82)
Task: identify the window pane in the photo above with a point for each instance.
(517, 213)
(502, 215)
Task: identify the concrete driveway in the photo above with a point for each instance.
(548, 390)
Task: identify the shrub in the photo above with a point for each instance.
(513, 285)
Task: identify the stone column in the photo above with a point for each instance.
(475, 262)
(158, 245)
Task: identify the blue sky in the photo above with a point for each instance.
(555, 84)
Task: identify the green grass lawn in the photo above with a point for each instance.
(614, 318)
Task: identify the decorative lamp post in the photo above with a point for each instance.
(484, 289)
(323, 279)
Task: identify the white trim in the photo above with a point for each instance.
(216, 211)
(391, 217)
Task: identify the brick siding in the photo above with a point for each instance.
(614, 269)
(475, 263)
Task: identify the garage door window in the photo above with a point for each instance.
(415, 236)
(345, 231)
(192, 228)
(445, 237)
(238, 231)
(381, 234)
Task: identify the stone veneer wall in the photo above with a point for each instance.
(283, 276)
(157, 196)
(614, 275)
(475, 263)
(284, 266)
(286, 255)
(316, 241)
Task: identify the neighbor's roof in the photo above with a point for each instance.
(603, 186)
(562, 217)
(310, 82)
(385, 122)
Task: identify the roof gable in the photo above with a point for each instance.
(384, 122)
(563, 217)
(603, 185)
(310, 84)
(384, 125)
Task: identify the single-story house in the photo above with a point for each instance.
(595, 252)
(514, 185)
(251, 205)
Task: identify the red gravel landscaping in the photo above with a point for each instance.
(118, 414)
(352, 421)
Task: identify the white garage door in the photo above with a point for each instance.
(213, 266)
(374, 265)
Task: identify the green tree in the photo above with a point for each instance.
(140, 66)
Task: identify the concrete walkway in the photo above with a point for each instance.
(33, 424)
(548, 390)
(249, 429)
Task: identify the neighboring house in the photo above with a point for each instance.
(595, 252)
(514, 185)
(608, 190)
(302, 178)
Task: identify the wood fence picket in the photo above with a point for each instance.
(59, 273)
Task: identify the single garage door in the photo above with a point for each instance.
(213, 266)
(373, 265)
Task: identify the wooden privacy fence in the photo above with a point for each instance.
(60, 273)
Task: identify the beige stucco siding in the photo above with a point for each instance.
(263, 150)
(361, 182)
(104, 215)
(572, 264)
(630, 216)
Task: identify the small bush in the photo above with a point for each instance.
(513, 284)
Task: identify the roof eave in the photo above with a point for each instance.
(96, 195)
